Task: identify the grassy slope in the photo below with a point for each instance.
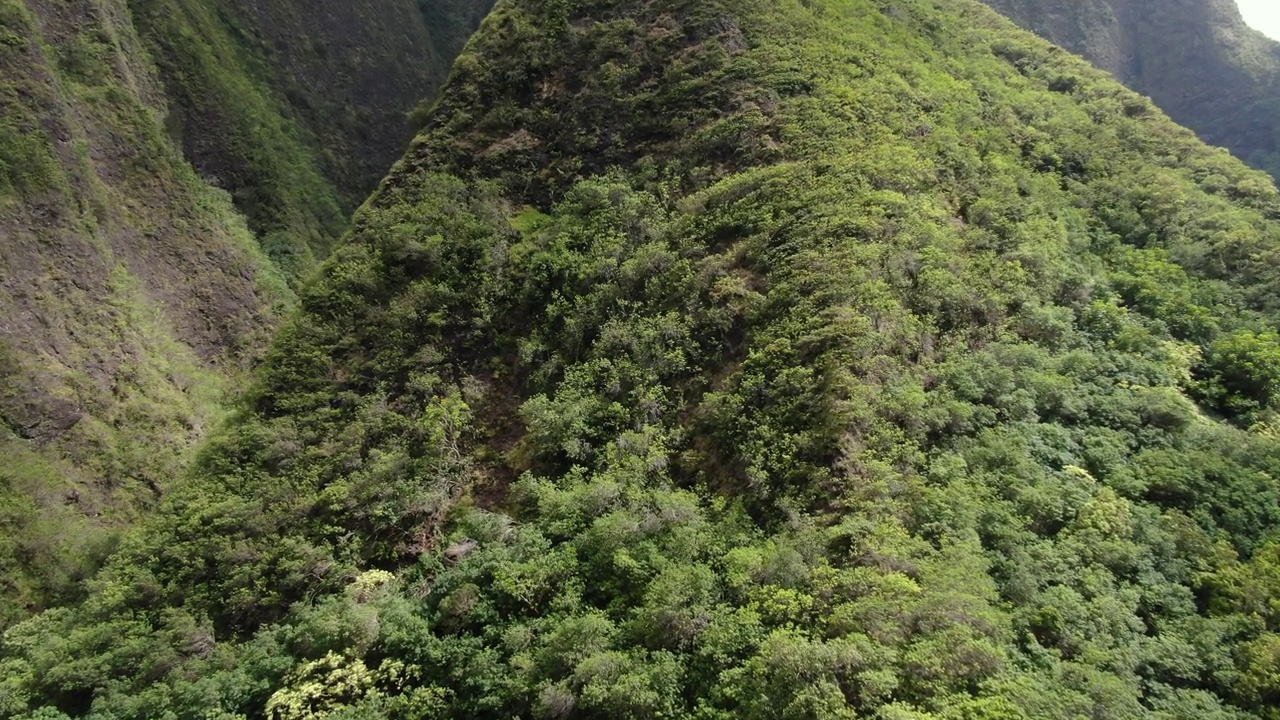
(1199, 61)
(134, 293)
(739, 359)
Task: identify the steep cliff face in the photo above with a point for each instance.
(1197, 59)
(297, 108)
(351, 71)
(168, 169)
(130, 288)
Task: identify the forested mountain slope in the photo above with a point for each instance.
(132, 292)
(738, 359)
(1197, 59)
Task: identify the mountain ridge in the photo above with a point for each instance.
(738, 359)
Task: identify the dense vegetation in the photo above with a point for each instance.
(133, 294)
(1198, 60)
(738, 359)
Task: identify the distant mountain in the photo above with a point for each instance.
(169, 171)
(1197, 59)
(738, 359)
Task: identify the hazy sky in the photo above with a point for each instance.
(1263, 15)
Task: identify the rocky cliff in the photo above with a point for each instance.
(1197, 59)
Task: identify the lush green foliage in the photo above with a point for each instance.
(738, 359)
